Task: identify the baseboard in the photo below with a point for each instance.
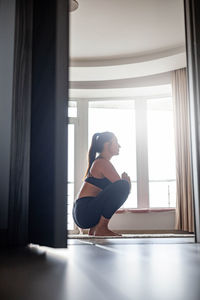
(152, 231)
(85, 231)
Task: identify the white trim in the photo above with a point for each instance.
(153, 80)
(81, 144)
(138, 69)
(159, 96)
(121, 92)
(142, 154)
(143, 57)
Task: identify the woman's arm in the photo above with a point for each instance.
(126, 177)
(104, 168)
(108, 170)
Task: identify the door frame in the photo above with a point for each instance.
(192, 32)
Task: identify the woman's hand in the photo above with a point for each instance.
(125, 176)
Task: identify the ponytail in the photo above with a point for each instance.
(98, 141)
(92, 151)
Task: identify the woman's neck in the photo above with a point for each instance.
(106, 156)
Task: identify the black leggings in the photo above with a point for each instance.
(87, 211)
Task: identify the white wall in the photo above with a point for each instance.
(143, 221)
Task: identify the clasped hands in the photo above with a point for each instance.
(125, 176)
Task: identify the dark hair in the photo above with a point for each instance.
(98, 141)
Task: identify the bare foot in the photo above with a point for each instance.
(92, 230)
(105, 232)
(115, 233)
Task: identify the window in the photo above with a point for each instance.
(70, 188)
(72, 113)
(144, 128)
(161, 153)
(72, 109)
(118, 117)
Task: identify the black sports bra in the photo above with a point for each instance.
(102, 183)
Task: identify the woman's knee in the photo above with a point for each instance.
(123, 185)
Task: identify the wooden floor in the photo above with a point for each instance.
(117, 269)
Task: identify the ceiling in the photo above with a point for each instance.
(102, 30)
(118, 45)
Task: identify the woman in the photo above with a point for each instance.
(103, 191)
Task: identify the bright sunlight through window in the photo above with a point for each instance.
(161, 153)
(123, 118)
(118, 117)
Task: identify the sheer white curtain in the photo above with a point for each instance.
(184, 199)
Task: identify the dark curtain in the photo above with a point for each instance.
(48, 152)
(20, 134)
(37, 210)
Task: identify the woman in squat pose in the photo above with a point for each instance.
(103, 191)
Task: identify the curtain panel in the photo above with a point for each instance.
(18, 209)
(184, 193)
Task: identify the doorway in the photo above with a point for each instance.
(126, 66)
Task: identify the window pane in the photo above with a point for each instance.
(119, 118)
(70, 196)
(72, 109)
(161, 153)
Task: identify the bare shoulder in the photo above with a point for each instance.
(106, 168)
(96, 167)
(106, 164)
(99, 164)
(102, 163)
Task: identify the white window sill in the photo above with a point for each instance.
(144, 210)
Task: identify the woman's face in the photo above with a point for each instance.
(114, 146)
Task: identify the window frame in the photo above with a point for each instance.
(81, 148)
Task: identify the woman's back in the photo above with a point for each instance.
(99, 176)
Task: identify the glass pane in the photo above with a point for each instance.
(72, 109)
(70, 196)
(161, 153)
(119, 118)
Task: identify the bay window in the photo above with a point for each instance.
(145, 132)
